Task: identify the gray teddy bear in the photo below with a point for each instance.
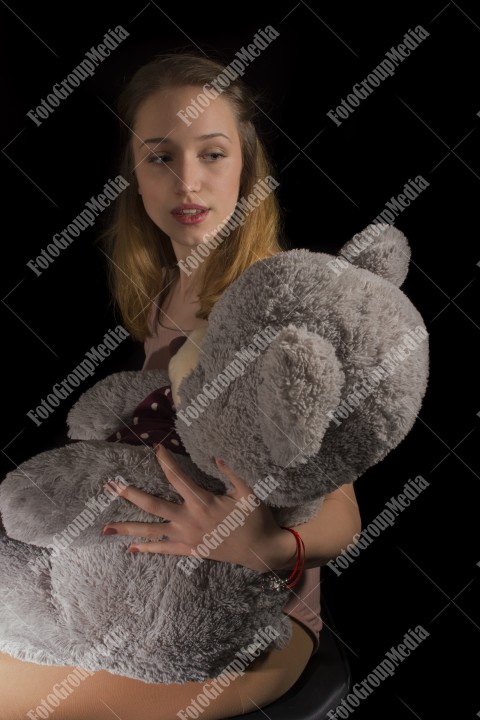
(312, 368)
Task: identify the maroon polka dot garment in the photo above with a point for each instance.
(152, 423)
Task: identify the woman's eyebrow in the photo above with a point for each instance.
(159, 140)
(212, 135)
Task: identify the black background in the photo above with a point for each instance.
(334, 181)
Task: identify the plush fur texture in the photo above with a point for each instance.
(304, 409)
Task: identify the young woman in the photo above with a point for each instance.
(188, 161)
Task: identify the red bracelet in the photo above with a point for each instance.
(300, 564)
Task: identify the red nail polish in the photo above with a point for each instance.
(133, 549)
(110, 531)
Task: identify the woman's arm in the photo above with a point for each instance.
(325, 535)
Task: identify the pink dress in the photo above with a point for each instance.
(304, 604)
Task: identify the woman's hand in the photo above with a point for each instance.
(251, 538)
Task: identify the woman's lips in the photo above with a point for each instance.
(190, 218)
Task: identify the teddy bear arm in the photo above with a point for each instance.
(109, 404)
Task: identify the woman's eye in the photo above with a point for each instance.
(157, 159)
(214, 155)
(162, 159)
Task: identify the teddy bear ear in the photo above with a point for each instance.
(380, 248)
(300, 384)
(184, 358)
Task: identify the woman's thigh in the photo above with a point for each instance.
(104, 696)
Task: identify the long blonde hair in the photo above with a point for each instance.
(143, 264)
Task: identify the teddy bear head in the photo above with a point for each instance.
(312, 368)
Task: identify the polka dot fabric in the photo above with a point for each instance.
(153, 422)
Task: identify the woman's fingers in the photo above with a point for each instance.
(150, 503)
(183, 484)
(162, 548)
(239, 486)
(138, 529)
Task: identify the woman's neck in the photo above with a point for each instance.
(185, 292)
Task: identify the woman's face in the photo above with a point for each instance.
(179, 166)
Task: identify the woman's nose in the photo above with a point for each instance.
(188, 177)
